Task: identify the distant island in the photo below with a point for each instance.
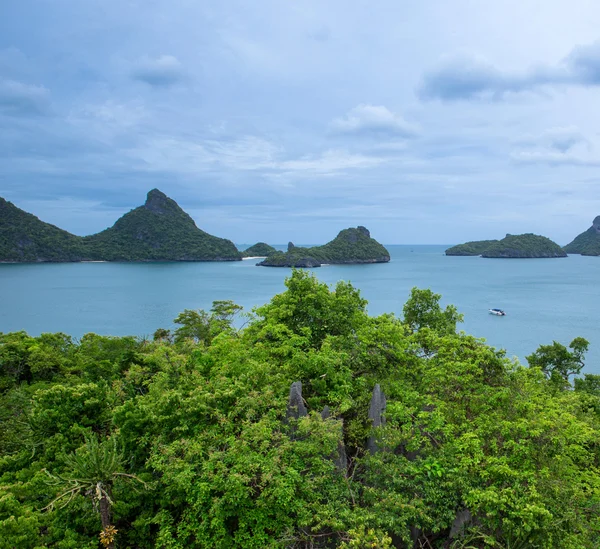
(522, 246)
(476, 247)
(157, 231)
(260, 249)
(350, 246)
(588, 242)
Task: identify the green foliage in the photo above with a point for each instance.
(202, 416)
(557, 362)
(260, 249)
(201, 327)
(524, 246)
(423, 310)
(350, 246)
(476, 247)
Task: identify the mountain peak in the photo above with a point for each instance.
(158, 202)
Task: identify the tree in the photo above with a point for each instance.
(201, 326)
(557, 362)
(422, 310)
(92, 472)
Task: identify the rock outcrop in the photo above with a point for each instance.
(376, 411)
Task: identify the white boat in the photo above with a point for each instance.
(497, 312)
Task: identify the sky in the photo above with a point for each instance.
(273, 120)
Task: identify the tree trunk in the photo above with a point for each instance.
(105, 516)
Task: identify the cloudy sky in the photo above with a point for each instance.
(277, 120)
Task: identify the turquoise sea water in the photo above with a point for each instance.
(545, 299)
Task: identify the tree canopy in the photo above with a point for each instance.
(190, 438)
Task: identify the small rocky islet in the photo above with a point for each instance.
(260, 249)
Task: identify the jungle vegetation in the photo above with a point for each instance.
(182, 440)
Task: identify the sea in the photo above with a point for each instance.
(545, 300)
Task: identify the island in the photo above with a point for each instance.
(350, 246)
(260, 249)
(157, 231)
(524, 246)
(26, 239)
(476, 247)
(520, 246)
(588, 242)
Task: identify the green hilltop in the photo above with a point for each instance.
(588, 242)
(521, 246)
(159, 231)
(260, 249)
(350, 246)
(524, 246)
(25, 238)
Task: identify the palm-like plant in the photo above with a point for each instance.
(92, 472)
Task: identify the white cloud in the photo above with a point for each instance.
(367, 119)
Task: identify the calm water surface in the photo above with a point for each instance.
(545, 299)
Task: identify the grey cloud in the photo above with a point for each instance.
(18, 99)
(559, 139)
(467, 77)
(584, 62)
(557, 146)
(164, 71)
(367, 119)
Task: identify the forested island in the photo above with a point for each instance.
(522, 246)
(157, 231)
(260, 249)
(161, 231)
(588, 242)
(350, 246)
(476, 247)
(315, 426)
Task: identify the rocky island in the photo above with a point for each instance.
(351, 246)
(521, 246)
(157, 231)
(588, 242)
(260, 249)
